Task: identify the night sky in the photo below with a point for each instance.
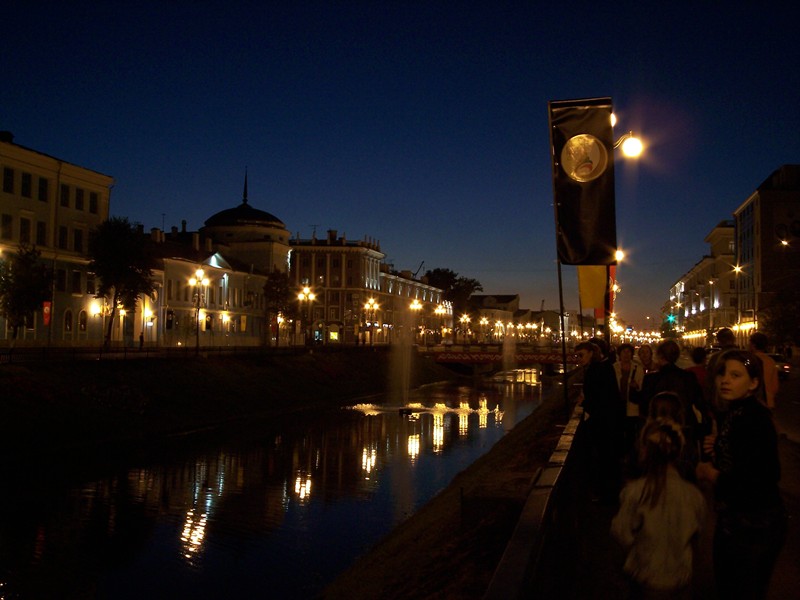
(420, 124)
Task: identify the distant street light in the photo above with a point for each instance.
(307, 296)
(415, 307)
(370, 308)
(199, 282)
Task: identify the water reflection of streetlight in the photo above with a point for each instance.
(199, 282)
(302, 486)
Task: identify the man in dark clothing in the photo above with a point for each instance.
(671, 378)
(605, 424)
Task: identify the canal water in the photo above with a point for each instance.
(275, 513)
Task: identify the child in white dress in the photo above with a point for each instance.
(659, 518)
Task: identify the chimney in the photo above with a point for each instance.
(183, 226)
(331, 236)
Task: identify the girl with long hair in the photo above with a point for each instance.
(745, 470)
(660, 517)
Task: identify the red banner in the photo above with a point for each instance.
(46, 306)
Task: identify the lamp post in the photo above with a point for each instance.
(439, 311)
(307, 296)
(415, 307)
(464, 325)
(370, 308)
(198, 282)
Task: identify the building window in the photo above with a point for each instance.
(68, 321)
(41, 233)
(8, 180)
(77, 238)
(93, 202)
(90, 284)
(64, 195)
(6, 228)
(61, 280)
(43, 189)
(24, 231)
(76, 283)
(78, 199)
(62, 237)
(26, 186)
(82, 321)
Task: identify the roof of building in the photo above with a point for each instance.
(244, 214)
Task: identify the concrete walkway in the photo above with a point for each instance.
(580, 560)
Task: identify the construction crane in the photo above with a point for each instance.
(419, 268)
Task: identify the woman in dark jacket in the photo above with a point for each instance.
(745, 470)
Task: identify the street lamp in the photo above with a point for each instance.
(415, 306)
(370, 308)
(439, 311)
(305, 295)
(199, 282)
(464, 325)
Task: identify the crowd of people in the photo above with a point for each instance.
(659, 436)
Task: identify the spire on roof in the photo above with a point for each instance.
(244, 196)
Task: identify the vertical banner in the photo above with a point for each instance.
(46, 309)
(592, 281)
(582, 147)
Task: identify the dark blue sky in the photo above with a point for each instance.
(420, 124)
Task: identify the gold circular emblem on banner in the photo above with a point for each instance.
(584, 158)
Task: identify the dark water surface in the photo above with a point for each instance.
(276, 513)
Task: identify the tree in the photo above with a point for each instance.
(456, 289)
(25, 283)
(278, 298)
(121, 259)
(781, 320)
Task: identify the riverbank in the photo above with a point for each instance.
(88, 405)
(451, 547)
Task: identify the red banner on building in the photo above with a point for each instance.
(46, 307)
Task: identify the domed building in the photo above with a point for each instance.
(254, 237)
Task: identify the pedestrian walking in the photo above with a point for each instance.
(660, 518)
(744, 469)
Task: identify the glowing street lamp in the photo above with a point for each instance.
(464, 325)
(307, 296)
(415, 307)
(199, 282)
(370, 308)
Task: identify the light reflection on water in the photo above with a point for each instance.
(277, 514)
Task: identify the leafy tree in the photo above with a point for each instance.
(121, 259)
(278, 298)
(25, 283)
(781, 321)
(456, 289)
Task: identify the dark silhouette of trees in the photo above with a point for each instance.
(120, 258)
(25, 283)
(456, 289)
(781, 321)
(278, 300)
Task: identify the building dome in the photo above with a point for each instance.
(244, 214)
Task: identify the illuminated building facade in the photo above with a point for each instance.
(53, 204)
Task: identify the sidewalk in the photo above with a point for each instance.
(580, 560)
